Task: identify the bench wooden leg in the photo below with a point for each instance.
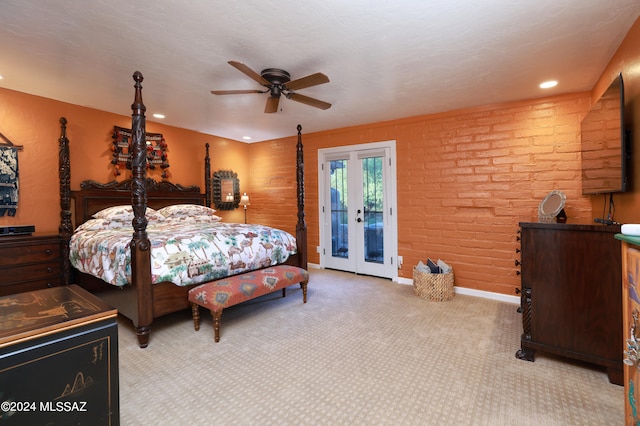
(216, 324)
(195, 313)
(303, 286)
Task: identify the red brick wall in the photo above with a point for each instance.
(465, 181)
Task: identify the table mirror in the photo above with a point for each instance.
(551, 208)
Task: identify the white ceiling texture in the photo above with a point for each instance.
(384, 59)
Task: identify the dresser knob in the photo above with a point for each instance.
(518, 263)
(49, 285)
(47, 252)
(49, 270)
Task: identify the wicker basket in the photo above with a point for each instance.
(435, 287)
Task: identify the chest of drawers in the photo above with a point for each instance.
(571, 291)
(631, 333)
(30, 263)
(58, 359)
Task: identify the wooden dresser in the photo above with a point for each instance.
(58, 358)
(571, 289)
(30, 263)
(630, 343)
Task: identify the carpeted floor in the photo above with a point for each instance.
(364, 351)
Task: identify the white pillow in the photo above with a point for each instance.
(125, 214)
(178, 211)
(103, 224)
(194, 219)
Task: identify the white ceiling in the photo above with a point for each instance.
(385, 59)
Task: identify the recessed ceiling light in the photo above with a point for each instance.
(246, 138)
(548, 84)
(158, 115)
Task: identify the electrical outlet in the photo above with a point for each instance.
(400, 260)
(317, 249)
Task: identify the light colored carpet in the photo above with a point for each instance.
(362, 350)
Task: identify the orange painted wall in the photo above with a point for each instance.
(467, 178)
(33, 122)
(626, 60)
(465, 181)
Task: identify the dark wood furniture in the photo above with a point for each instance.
(142, 301)
(58, 358)
(30, 263)
(631, 332)
(570, 294)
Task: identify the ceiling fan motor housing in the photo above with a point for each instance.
(275, 75)
(277, 78)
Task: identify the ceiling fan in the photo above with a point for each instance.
(278, 82)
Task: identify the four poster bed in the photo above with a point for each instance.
(138, 289)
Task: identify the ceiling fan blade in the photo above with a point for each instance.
(309, 101)
(272, 104)
(249, 72)
(235, 92)
(308, 81)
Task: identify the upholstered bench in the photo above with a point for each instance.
(230, 291)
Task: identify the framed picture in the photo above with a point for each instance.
(8, 181)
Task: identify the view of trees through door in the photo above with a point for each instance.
(358, 220)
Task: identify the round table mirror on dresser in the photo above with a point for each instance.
(552, 207)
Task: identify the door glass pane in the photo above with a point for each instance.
(373, 209)
(339, 204)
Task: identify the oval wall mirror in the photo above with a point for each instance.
(552, 207)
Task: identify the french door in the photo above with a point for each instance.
(357, 205)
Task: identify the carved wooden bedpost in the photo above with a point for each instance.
(301, 226)
(66, 228)
(140, 245)
(207, 177)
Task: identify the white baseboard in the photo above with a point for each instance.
(476, 293)
(459, 290)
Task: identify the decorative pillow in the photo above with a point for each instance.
(103, 224)
(194, 219)
(94, 225)
(178, 211)
(125, 214)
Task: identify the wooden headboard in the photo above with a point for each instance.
(95, 196)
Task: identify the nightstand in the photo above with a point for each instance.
(30, 263)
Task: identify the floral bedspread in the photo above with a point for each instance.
(182, 253)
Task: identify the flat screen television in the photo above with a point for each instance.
(605, 144)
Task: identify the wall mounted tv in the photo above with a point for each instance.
(605, 144)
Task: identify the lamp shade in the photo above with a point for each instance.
(244, 200)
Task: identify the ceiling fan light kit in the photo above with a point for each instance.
(278, 82)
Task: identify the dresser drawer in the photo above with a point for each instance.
(29, 252)
(7, 289)
(35, 271)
